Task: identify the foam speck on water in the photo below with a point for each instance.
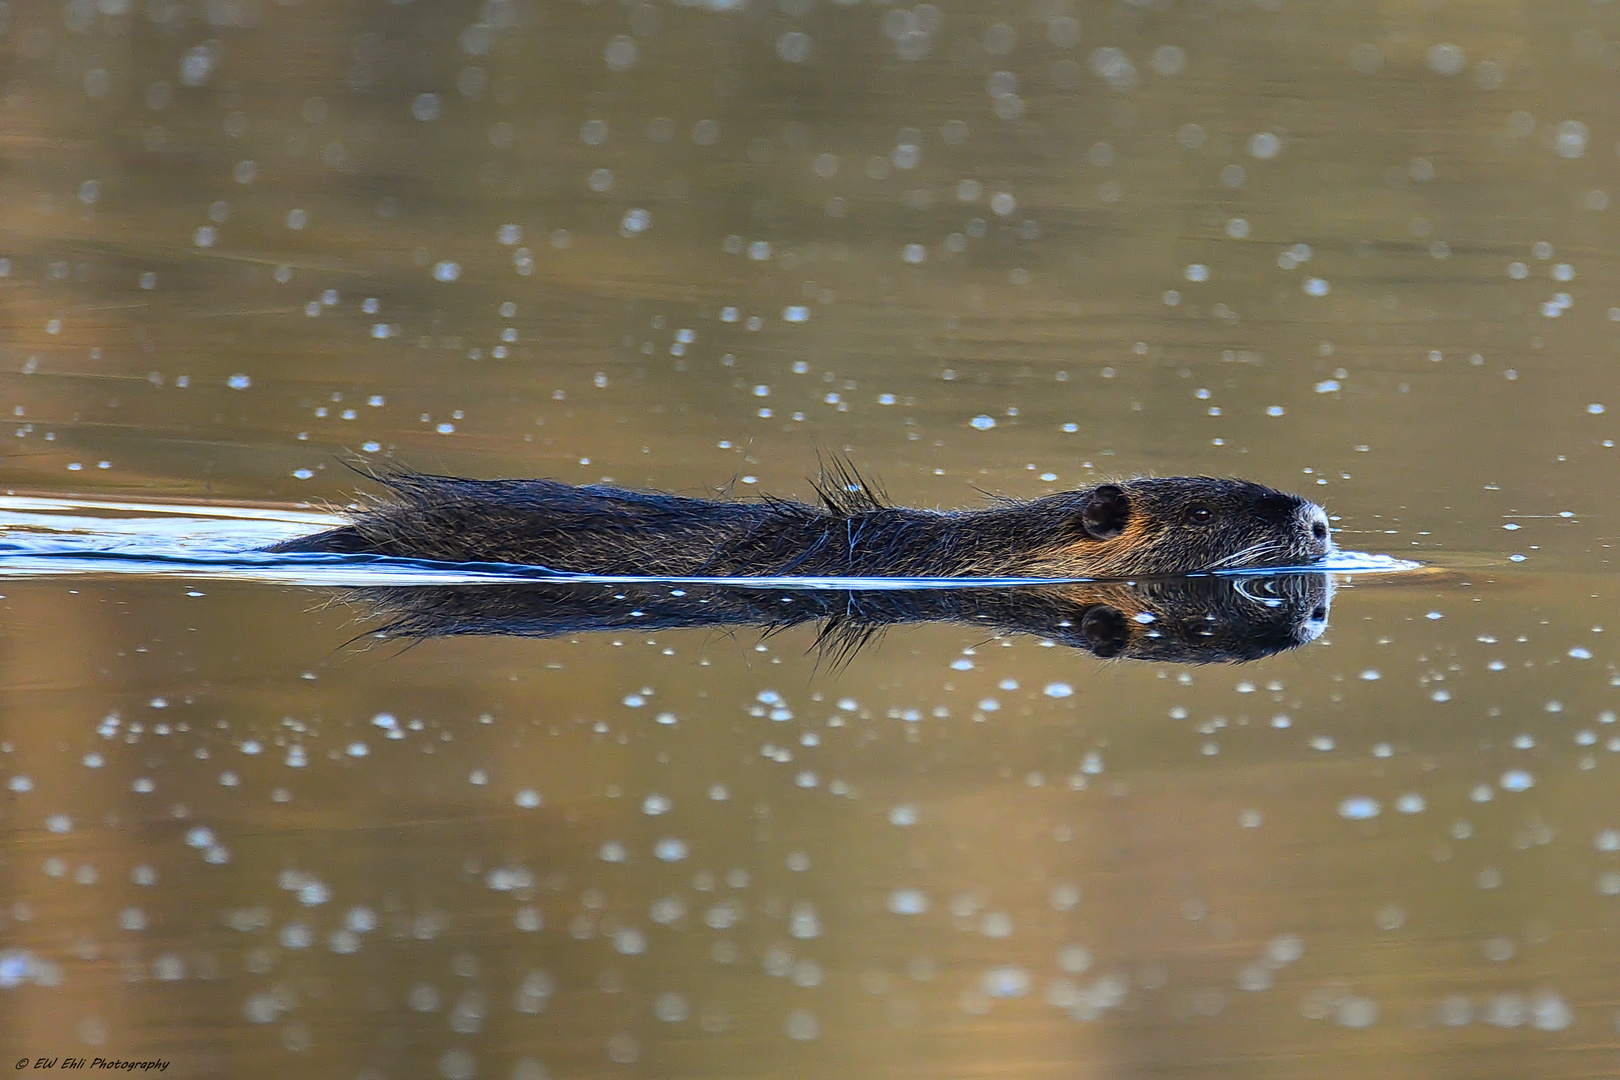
(908, 902)
(1359, 808)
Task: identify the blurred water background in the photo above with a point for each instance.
(1365, 252)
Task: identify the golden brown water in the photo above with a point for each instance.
(1364, 253)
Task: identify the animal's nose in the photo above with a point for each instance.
(1315, 519)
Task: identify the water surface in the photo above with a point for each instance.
(1362, 254)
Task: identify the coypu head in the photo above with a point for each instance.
(1189, 524)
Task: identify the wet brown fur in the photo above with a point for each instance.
(1132, 528)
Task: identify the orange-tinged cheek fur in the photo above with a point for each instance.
(1133, 551)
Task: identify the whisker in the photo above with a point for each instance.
(1238, 557)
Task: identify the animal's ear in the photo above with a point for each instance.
(1106, 512)
(1105, 630)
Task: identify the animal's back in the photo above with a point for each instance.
(591, 529)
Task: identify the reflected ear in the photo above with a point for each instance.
(1105, 631)
(1106, 512)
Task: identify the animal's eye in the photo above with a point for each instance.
(1199, 515)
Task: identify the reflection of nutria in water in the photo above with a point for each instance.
(1186, 620)
(1151, 526)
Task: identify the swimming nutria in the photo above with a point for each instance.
(1189, 620)
(1146, 526)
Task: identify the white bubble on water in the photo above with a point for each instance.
(1549, 1011)
(802, 1025)
(1008, 981)
(1516, 780)
(1506, 1010)
(671, 1008)
(1356, 1012)
(1264, 145)
(1359, 808)
(198, 64)
(1445, 59)
(1166, 59)
(620, 53)
(634, 222)
(803, 923)
(1284, 949)
(1065, 897)
(425, 107)
(1074, 959)
(793, 46)
(1569, 140)
(908, 902)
